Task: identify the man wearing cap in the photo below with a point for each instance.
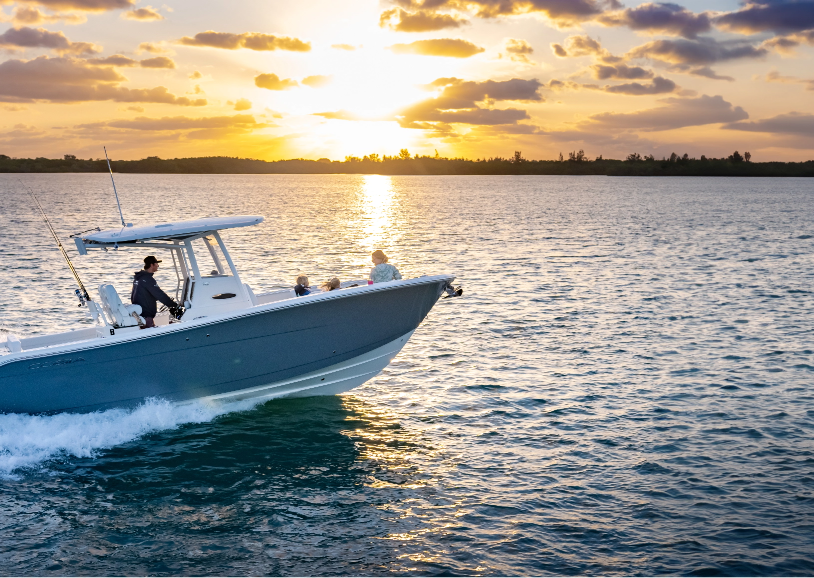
(146, 291)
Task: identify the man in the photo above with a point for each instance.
(146, 291)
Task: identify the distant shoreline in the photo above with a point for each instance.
(393, 166)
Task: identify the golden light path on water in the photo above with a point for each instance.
(378, 205)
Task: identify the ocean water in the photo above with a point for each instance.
(624, 388)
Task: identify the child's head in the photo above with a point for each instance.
(331, 285)
(379, 256)
(302, 280)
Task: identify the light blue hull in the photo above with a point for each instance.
(320, 344)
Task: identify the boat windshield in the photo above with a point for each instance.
(211, 260)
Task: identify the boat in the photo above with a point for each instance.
(226, 343)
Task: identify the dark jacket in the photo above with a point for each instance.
(146, 292)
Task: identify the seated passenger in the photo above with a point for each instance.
(382, 270)
(330, 285)
(303, 287)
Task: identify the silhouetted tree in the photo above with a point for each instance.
(70, 157)
(518, 157)
(560, 159)
(576, 157)
(599, 158)
(735, 157)
(673, 157)
(747, 156)
(633, 158)
(649, 158)
(404, 154)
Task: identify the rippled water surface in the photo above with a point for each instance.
(624, 388)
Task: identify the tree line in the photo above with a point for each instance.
(405, 163)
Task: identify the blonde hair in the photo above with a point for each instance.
(331, 285)
(302, 280)
(379, 254)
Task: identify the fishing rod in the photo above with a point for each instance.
(81, 293)
(114, 187)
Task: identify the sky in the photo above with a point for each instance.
(464, 78)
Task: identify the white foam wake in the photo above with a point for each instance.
(26, 441)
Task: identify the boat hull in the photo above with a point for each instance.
(283, 349)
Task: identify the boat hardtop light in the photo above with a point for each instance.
(173, 230)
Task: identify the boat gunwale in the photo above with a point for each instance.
(100, 342)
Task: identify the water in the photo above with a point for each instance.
(624, 388)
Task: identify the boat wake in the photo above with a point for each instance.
(28, 442)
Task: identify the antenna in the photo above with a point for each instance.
(114, 188)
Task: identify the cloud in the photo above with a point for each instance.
(763, 15)
(560, 12)
(157, 62)
(124, 61)
(775, 76)
(518, 50)
(695, 56)
(659, 85)
(250, 40)
(25, 37)
(339, 115)
(134, 108)
(458, 103)
(792, 123)
(31, 16)
(583, 45)
(152, 48)
(317, 81)
(674, 113)
(449, 47)
(661, 18)
(620, 72)
(86, 5)
(243, 104)
(145, 14)
(420, 21)
(273, 82)
(175, 127)
(348, 47)
(66, 80)
(787, 44)
(195, 75)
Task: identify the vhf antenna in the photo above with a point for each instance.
(114, 188)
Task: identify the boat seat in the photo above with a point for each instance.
(121, 315)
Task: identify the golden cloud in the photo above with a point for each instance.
(273, 82)
(148, 13)
(152, 48)
(317, 81)
(420, 21)
(348, 47)
(84, 5)
(448, 47)
(66, 80)
(31, 16)
(249, 40)
(243, 104)
(157, 62)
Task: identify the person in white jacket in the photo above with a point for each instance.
(382, 270)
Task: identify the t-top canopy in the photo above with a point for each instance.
(177, 230)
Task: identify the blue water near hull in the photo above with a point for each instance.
(625, 388)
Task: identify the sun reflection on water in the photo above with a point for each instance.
(378, 204)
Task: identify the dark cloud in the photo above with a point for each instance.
(659, 85)
(674, 113)
(273, 82)
(146, 14)
(124, 61)
(792, 123)
(317, 81)
(18, 38)
(780, 16)
(66, 80)
(250, 40)
(787, 44)
(86, 5)
(561, 12)
(449, 47)
(663, 18)
(695, 56)
(620, 72)
(420, 21)
(458, 103)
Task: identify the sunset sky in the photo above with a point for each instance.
(472, 78)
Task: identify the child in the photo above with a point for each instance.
(382, 270)
(302, 287)
(330, 285)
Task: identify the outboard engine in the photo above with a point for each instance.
(452, 291)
